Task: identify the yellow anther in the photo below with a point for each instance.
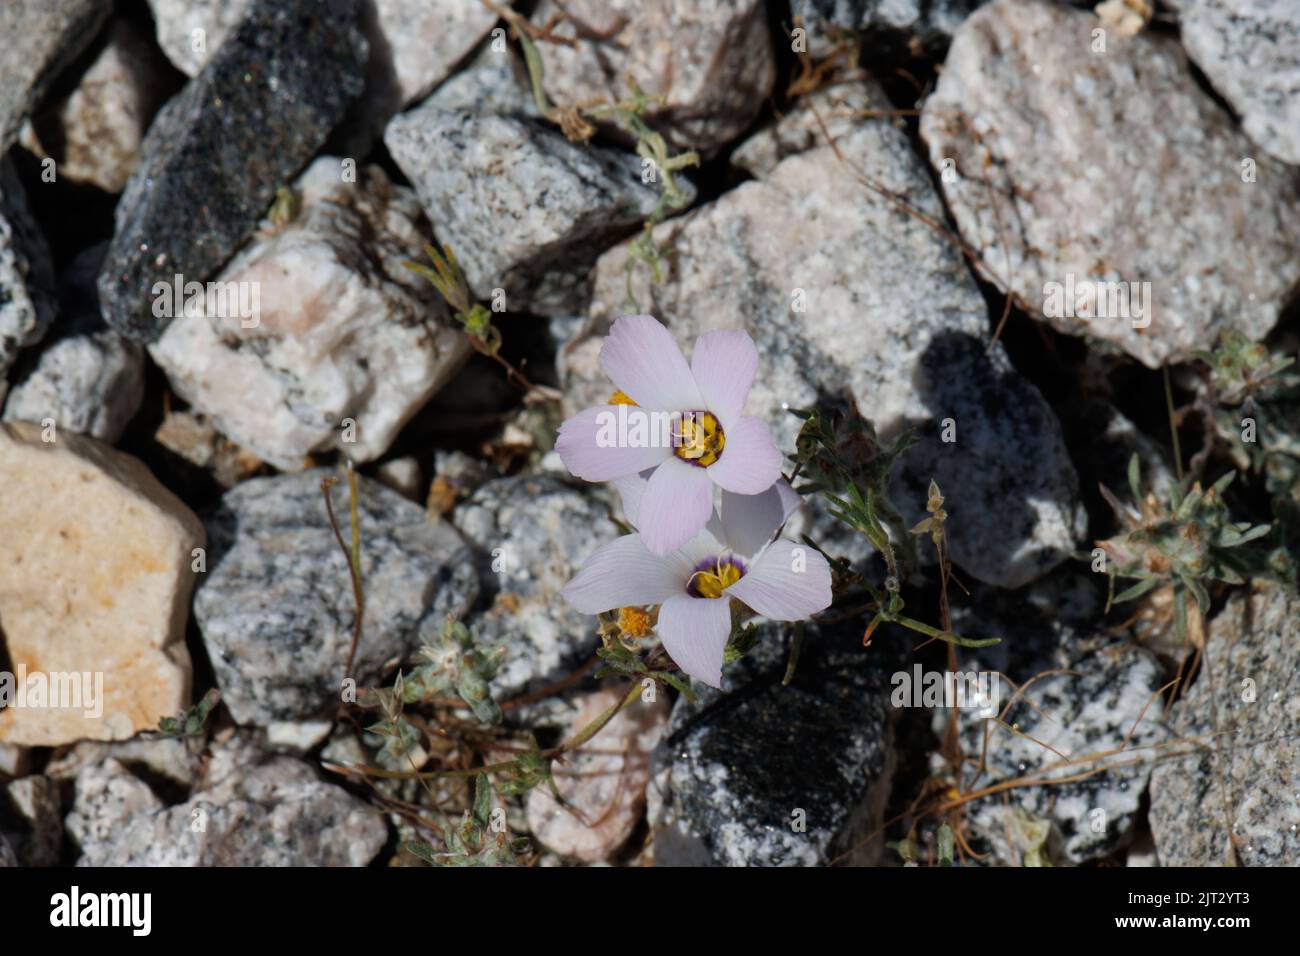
(699, 438)
(620, 397)
(633, 622)
(711, 583)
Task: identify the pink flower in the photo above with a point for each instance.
(734, 556)
(682, 427)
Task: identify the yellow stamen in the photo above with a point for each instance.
(633, 622)
(700, 438)
(711, 584)
(620, 397)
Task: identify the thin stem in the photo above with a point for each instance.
(1173, 425)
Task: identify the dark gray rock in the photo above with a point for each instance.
(532, 534)
(524, 209)
(1229, 793)
(929, 21)
(27, 303)
(218, 151)
(1097, 710)
(31, 819)
(741, 771)
(41, 37)
(276, 609)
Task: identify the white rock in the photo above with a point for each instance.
(711, 61)
(602, 784)
(95, 579)
(1250, 51)
(345, 332)
(89, 381)
(1065, 167)
(94, 133)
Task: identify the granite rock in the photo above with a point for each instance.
(532, 535)
(760, 774)
(94, 133)
(1115, 198)
(710, 60)
(252, 809)
(1227, 793)
(1250, 51)
(1089, 709)
(525, 210)
(53, 32)
(276, 609)
(27, 300)
(602, 784)
(337, 329)
(218, 151)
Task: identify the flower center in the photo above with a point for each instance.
(620, 397)
(699, 438)
(713, 576)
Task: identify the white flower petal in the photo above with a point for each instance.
(676, 504)
(750, 461)
(694, 632)
(787, 582)
(724, 364)
(642, 359)
(584, 445)
(621, 573)
(750, 521)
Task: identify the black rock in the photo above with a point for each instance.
(218, 150)
(762, 774)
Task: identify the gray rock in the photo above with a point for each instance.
(1228, 793)
(494, 82)
(928, 21)
(710, 60)
(834, 111)
(27, 302)
(760, 774)
(524, 209)
(1098, 717)
(1250, 51)
(150, 757)
(31, 814)
(341, 331)
(89, 380)
(108, 798)
(276, 609)
(218, 151)
(532, 535)
(1056, 162)
(253, 809)
(94, 133)
(890, 314)
(52, 33)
